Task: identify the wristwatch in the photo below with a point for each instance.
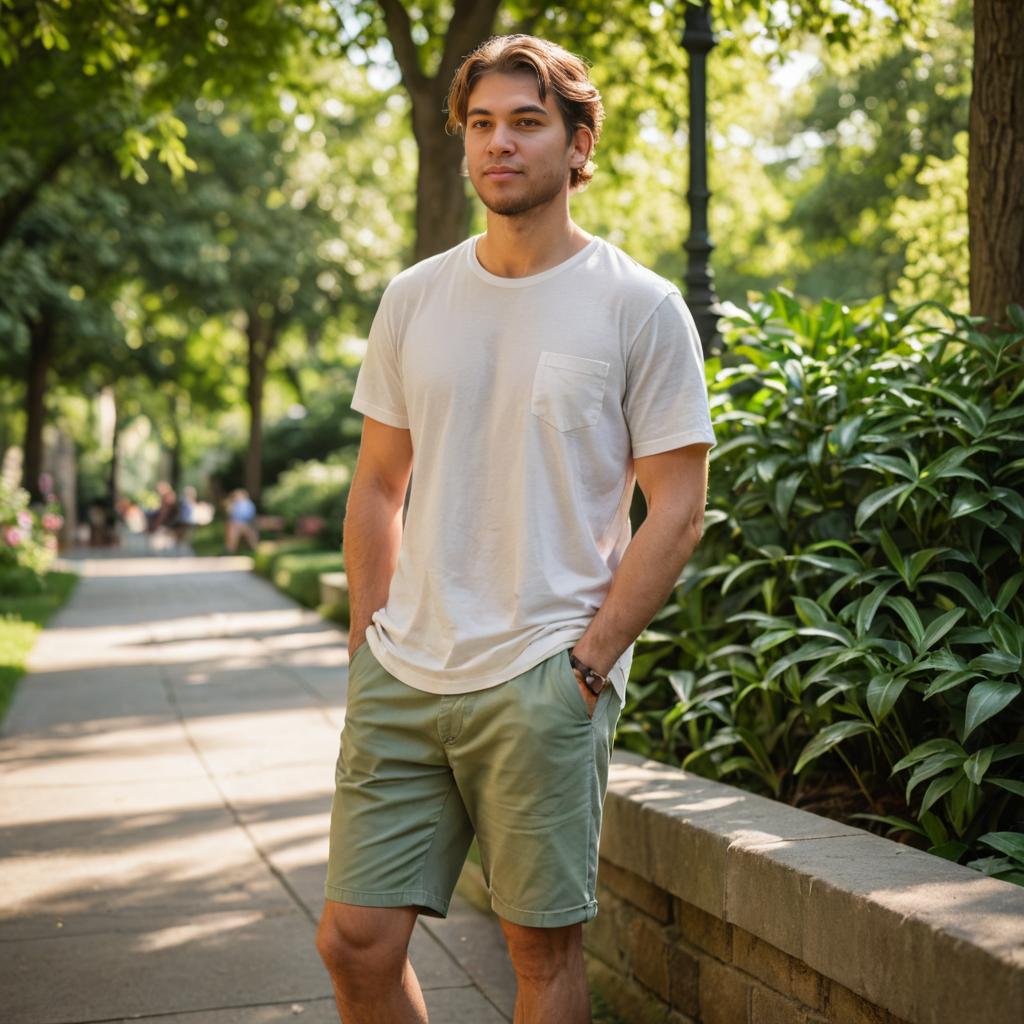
(593, 680)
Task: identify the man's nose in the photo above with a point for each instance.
(500, 140)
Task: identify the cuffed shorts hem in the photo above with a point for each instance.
(545, 918)
(428, 903)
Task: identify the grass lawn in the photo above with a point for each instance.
(21, 618)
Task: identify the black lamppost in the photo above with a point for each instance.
(698, 40)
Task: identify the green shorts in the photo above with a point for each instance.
(520, 765)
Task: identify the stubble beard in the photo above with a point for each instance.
(516, 206)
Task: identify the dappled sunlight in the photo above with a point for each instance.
(201, 928)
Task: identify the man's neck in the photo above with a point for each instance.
(525, 245)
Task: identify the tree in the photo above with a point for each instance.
(995, 160)
(81, 77)
(428, 41)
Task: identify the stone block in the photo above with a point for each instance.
(690, 823)
(724, 994)
(649, 949)
(703, 930)
(684, 980)
(921, 937)
(649, 898)
(629, 1000)
(605, 935)
(776, 969)
(845, 1007)
(768, 1007)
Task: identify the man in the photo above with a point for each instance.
(529, 376)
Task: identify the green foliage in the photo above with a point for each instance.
(314, 489)
(269, 551)
(21, 618)
(296, 571)
(317, 431)
(857, 599)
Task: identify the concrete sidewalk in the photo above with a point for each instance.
(166, 772)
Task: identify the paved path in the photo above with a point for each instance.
(165, 782)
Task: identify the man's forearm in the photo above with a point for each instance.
(640, 586)
(372, 538)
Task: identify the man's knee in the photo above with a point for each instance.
(364, 942)
(542, 954)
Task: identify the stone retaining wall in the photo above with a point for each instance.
(721, 907)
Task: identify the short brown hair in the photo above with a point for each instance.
(557, 70)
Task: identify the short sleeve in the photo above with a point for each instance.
(378, 392)
(666, 401)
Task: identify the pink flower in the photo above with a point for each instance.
(12, 535)
(25, 520)
(52, 521)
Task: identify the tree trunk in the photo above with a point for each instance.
(175, 474)
(995, 191)
(114, 441)
(261, 335)
(442, 208)
(40, 356)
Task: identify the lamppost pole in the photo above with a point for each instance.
(698, 40)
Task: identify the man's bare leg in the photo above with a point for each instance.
(365, 950)
(549, 969)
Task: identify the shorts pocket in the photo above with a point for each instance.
(355, 663)
(569, 689)
(568, 390)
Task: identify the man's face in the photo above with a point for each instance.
(516, 147)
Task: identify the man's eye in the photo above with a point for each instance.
(528, 121)
(479, 124)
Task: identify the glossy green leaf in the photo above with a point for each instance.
(1009, 843)
(938, 788)
(930, 767)
(766, 641)
(869, 605)
(939, 627)
(1008, 591)
(997, 663)
(953, 850)
(978, 763)
(929, 749)
(810, 612)
(829, 737)
(968, 499)
(876, 500)
(908, 613)
(1010, 785)
(949, 681)
(883, 692)
(985, 700)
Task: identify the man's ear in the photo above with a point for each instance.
(582, 147)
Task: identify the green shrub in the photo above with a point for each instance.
(298, 574)
(314, 489)
(854, 609)
(269, 551)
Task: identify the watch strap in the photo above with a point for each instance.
(593, 680)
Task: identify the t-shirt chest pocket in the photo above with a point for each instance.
(568, 390)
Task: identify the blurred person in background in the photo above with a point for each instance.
(241, 521)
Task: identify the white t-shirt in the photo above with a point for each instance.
(527, 400)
